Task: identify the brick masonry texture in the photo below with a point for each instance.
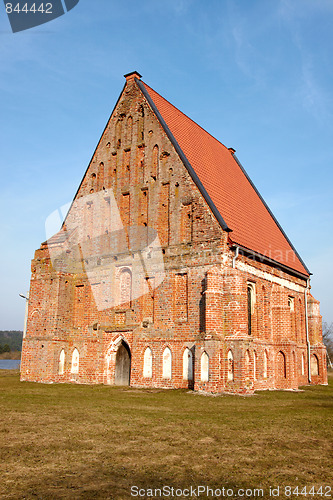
(208, 325)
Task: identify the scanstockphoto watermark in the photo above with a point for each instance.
(27, 14)
(121, 262)
(196, 492)
(205, 491)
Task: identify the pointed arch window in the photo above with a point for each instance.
(230, 366)
(302, 365)
(75, 361)
(204, 367)
(250, 305)
(187, 364)
(148, 363)
(167, 363)
(314, 365)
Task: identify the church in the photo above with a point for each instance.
(169, 269)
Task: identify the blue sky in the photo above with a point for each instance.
(256, 74)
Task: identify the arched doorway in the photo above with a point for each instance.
(123, 365)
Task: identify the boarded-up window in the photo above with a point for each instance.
(204, 367)
(230, 366)
(181, 297)
(148, 363)
(281, 365)
(125, 286)
(62, 362)
(187, 364)
(163, 222)
(314, 365)
(167, 363)
(75, 361)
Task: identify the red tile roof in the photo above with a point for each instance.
(228, 186)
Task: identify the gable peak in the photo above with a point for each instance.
(130, 76)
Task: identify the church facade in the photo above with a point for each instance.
(169, 269)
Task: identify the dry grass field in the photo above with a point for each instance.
(89, 442)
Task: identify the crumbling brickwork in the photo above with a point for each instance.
(217, 320)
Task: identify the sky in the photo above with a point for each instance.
(257, 75)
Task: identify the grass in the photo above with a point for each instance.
(86, 442)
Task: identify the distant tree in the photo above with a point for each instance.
(6, 348)
(1, 349)
(328, 339)
(13, 338)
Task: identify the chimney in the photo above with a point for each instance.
(130, 76)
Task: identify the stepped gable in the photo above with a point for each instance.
(233, 195)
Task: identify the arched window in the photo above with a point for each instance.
(167, 363)
(302, 364)
(314, 365)
(204, 367)
(187, 365)
(250, 306)
(255, 365)
(148, 363)
(265, 364)
(125, 286)
(281, 365)
(230, 366)
(75, 361)
(62, 362)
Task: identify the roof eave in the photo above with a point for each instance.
(264, 259)
(271, 214)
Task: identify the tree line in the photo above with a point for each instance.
(10, 340)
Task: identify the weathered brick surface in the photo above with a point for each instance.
(202, 303)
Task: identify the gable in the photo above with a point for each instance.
(136, 165)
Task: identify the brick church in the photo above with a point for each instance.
(169, 269)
